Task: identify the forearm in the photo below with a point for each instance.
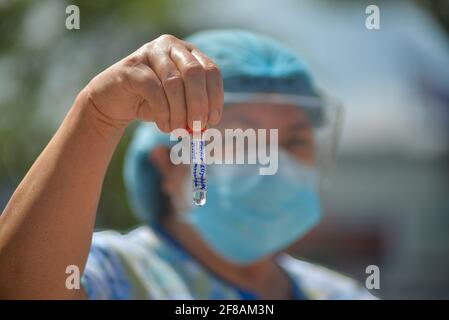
(48, 223)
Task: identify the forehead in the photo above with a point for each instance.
(264, 115)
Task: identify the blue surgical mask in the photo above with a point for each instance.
(249, 216)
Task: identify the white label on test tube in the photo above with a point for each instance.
(198, 168)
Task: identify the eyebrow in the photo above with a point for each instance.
(299, 125)
(243, 119)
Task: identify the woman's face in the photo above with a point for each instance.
(295, 135)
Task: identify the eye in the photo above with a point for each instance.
(296, 142)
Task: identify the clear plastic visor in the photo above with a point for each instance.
(308, 128)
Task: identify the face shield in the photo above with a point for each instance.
(308, 127)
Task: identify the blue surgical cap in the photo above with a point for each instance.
(249, 63)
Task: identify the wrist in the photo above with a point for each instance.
(89, 112)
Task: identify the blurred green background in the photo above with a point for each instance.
(389, 200)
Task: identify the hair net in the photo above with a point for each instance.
(248, 63)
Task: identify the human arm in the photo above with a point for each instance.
(48, 222)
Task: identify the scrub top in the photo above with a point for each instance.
(147, 263)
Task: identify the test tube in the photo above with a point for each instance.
(198, 168)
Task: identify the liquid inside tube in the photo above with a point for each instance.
(199, 197)
(198, 172)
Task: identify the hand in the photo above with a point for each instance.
(167, 81)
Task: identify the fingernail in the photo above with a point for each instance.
(203, 121)
(214, 115)
(193, 124)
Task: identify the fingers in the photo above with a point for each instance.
(214, 85)
(141, 80)
(191, 84)
(194, 77)
(173, 84)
